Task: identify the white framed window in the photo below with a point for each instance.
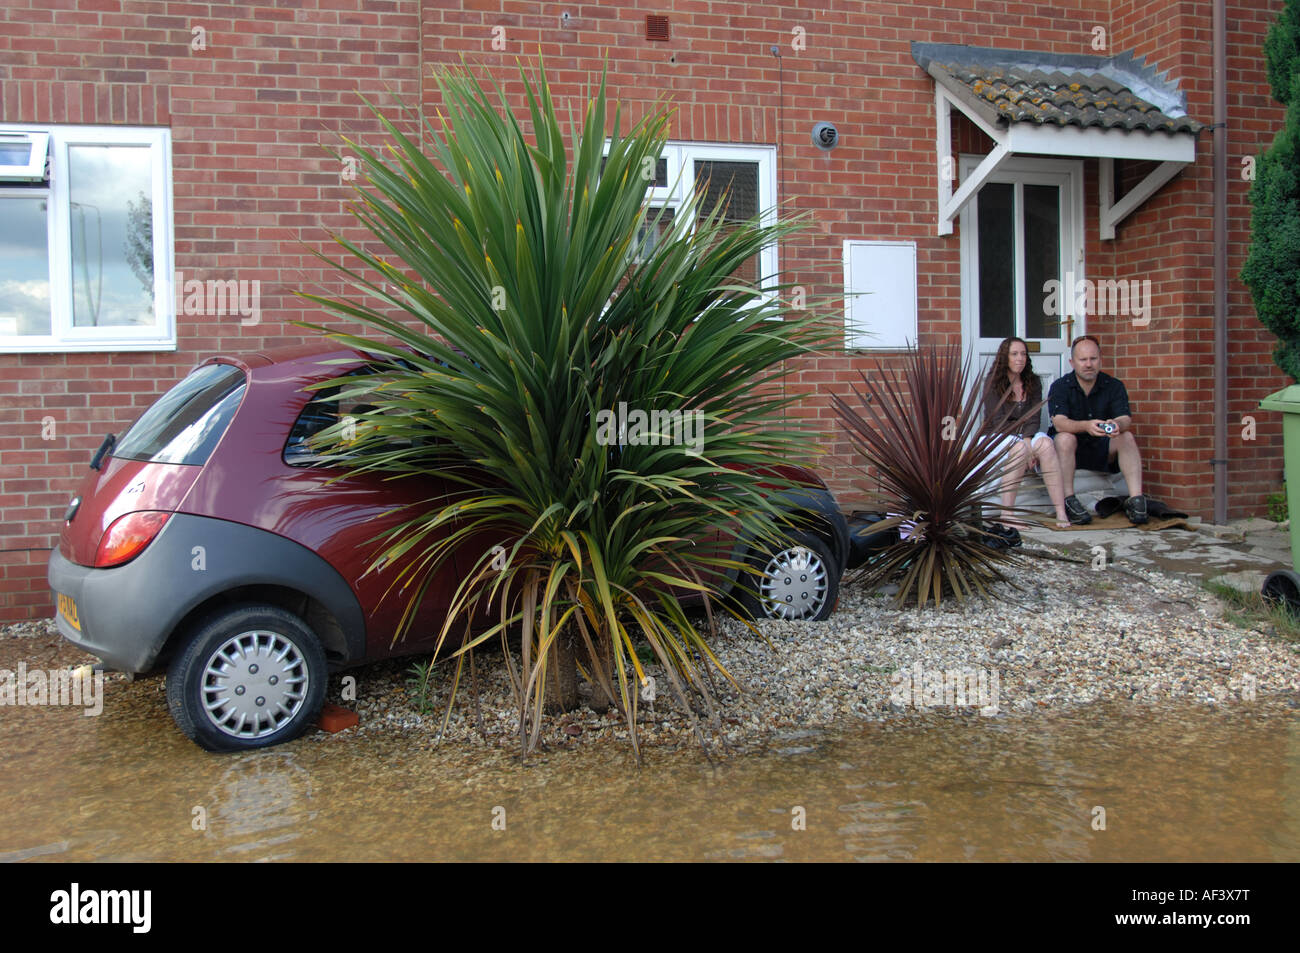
(86, 254)
(24, 156)
(745, 173)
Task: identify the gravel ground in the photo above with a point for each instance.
(1069, 637)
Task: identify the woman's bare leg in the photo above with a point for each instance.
(1045, 453)
(1017, 463)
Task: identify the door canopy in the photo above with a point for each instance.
(1050, 104)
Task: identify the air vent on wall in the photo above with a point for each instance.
(656, 27)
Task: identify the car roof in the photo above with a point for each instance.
(304, 361)
(309, 353)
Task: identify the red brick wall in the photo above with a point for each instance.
(251, 114)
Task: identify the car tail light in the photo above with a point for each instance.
(127, 537)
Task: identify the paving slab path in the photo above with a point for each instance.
(1240, 554)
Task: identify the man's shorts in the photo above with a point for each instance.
(1091, 453)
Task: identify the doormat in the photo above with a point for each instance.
(1119, 521)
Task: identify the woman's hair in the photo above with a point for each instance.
(999, 380)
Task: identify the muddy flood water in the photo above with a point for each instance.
(1178, 783)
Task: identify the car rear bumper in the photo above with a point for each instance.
(127, 614)
(116, 616)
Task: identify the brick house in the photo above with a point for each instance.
(150, 146)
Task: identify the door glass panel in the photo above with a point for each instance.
(1042, 257)
(24, 265)
(997, 259)
(111, 220)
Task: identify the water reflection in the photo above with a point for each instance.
(261, 803)
(1180, 783)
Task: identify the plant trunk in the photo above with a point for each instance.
(602, 665)
(561, 676)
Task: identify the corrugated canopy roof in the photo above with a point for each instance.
(1020, 86)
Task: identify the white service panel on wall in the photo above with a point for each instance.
(879, 294)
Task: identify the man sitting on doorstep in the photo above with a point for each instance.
(1093, 430)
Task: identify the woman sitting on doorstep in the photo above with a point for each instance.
(1025, 445)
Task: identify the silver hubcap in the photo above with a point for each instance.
(794, 584)
(254, 684)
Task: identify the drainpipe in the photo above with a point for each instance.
(1220, 461)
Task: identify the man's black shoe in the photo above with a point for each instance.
(1135, 508)
(1009, 533)
(1078, 514)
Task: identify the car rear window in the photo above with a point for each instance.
(185, 424)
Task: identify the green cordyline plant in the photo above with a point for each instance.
(517, 303)
(936, 466)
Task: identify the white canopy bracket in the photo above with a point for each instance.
(1112, 212)
(950, 205)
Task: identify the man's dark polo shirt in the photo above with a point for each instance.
(1108, 399)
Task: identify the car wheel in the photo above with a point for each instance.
(798, 580)
(251, 677)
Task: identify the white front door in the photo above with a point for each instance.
(1021, 232)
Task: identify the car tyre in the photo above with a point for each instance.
(251, 677)
(799, 580)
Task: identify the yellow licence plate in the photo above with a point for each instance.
(68, 609)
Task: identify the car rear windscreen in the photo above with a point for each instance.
(185, 424)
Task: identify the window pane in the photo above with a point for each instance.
(736, 184)
(661, 172)
(111, 220)
(997, 260)
(656, 224)
(304, 447)
(1042, 257)
(733, 182)
(24, 265)
(15, 153)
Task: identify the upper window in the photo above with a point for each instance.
(23, 156)
(86, 252)
(742, 177)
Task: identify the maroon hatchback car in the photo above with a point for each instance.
(210, 540)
